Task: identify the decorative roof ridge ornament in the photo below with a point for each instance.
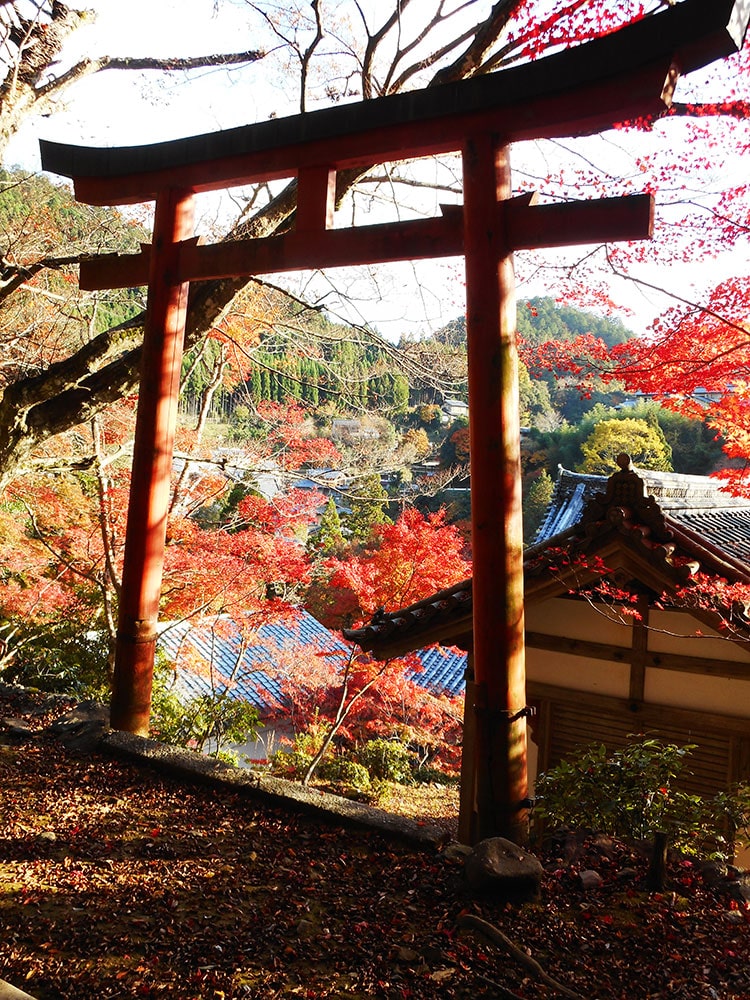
(626, 503)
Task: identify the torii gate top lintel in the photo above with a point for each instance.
(577, 91)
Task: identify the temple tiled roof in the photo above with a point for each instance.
(728, 530)
(445, 616)
(207, 652)
(666, 527)
(700, 503)
(443, 670)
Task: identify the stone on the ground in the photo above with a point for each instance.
(738, 888)
(15, 731)
(503, 869)
(456, 852)
(8, 992)
(627, 875)
(590, 879)
(83, 727)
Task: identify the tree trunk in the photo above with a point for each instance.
(656, 878)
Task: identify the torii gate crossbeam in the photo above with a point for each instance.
(629, 73)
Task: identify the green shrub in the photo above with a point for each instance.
(63, 657)
(734, 808)
(345, 772)
(426, 775)
(289, 765)
(214, 719)
(337, 769)
(388, 760)
(294, 763)
(631, 793)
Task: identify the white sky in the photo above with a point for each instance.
(122, 108)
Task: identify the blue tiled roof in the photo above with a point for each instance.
(444, 670)
(697, 502)
(566, 506)
(210, 661)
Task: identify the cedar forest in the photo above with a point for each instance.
(276, 389)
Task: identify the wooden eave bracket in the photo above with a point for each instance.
(603, 220)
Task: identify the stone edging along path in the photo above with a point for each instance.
(8, 992)
(86, 728)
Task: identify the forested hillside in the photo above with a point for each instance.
(543, 318)
(302, 356)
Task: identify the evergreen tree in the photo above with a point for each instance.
(329, 538)
(367, 509)
(265, 385)
(535, 502)
(400, 394)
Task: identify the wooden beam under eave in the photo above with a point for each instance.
(115, 270)
(312, 244)
(623, 556)
(653, 659)
(316, 195)
(639, 651)
(648, 713)
(456, 633)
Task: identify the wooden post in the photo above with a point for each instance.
(497, 533)
(467, 806)
(152, 466)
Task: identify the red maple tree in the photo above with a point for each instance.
(404, 562)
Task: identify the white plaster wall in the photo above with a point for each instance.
(577, 620)
(578, 673)
(256, 753)
(723, 695)
(674, 632)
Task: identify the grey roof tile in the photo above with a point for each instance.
(698, 502)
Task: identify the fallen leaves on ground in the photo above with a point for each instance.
(116, 882)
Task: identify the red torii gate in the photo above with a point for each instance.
(629, 73)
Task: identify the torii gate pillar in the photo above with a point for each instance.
(499, 755)
(153, 449)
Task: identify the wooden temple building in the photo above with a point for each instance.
(632, 625)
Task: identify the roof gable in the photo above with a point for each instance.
(699, 503)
